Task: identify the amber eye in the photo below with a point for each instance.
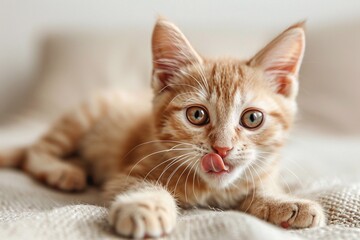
(252, 118)
(197, 115)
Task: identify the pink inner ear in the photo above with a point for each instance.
(284, 85)
(165, 70)
(282, 81)
(171, 51)
(164, 77)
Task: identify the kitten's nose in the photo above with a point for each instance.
(222, 151)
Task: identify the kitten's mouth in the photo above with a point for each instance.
(213, 163)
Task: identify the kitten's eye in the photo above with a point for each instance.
(197, 115)
(252, 118)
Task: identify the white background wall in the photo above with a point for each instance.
(24, 22)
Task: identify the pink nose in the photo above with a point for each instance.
(222, 151)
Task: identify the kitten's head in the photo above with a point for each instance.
(224, 116)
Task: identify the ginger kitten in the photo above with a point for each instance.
(211, 138)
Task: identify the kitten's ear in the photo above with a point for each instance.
(171, 51)
(281, 60)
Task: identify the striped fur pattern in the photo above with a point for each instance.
(148, 158)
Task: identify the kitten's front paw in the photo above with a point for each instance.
(291, 213)
(143, 216)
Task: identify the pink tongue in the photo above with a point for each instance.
(212, 162)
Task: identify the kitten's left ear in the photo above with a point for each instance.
(171, 51)
(281, 59)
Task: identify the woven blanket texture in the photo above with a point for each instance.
(29, 210)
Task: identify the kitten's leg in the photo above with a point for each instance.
(140, 209)
(54, 171)
(45, 159)
(284, 210)
(11, 157)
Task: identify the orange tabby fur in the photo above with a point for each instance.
(148, 158)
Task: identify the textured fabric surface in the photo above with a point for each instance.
(29, 210)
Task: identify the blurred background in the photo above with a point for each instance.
(55, 53)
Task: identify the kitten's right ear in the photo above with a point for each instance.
(281, 59)
(171, 51)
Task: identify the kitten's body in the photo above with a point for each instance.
(122, 141)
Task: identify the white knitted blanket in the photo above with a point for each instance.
(29, 210)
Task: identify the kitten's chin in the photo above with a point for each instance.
(224, 179)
